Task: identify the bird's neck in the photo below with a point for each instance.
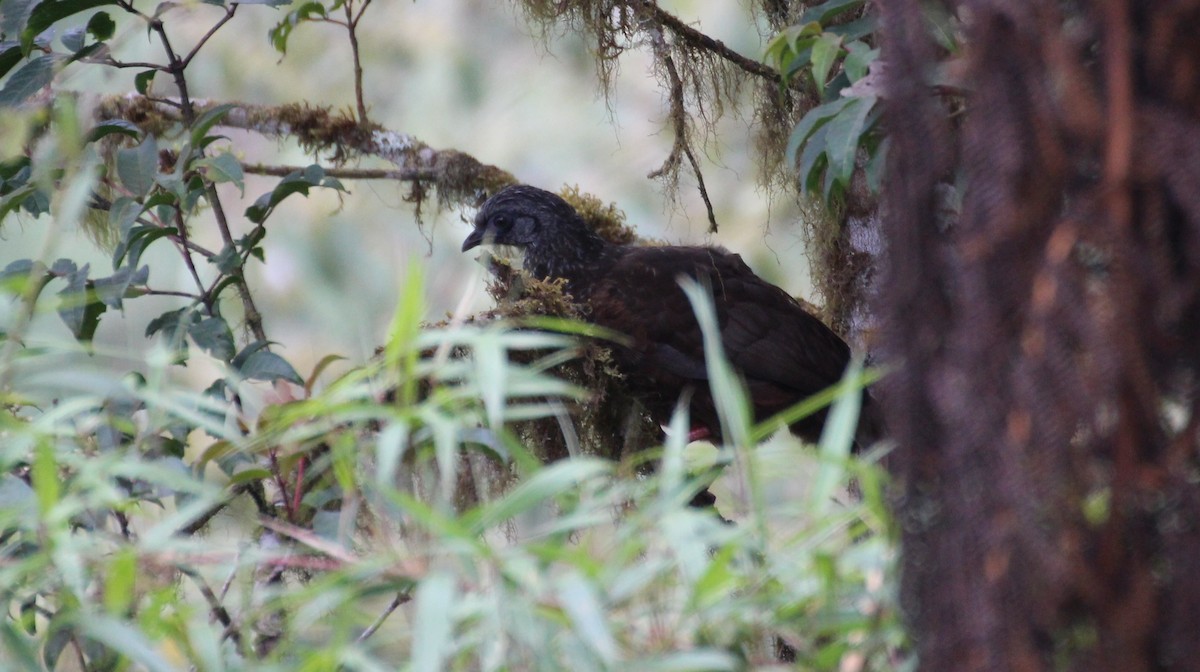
(574, 258)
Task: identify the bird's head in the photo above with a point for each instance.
(523, 216)
(556, 242)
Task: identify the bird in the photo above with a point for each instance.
(783, 353)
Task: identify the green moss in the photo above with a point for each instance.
(606, 220)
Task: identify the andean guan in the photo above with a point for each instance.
(783, 353)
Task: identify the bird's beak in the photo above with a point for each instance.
(473, 240)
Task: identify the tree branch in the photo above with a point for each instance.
(695, 38)
(458, 176)
(340, 173)
(679, 119)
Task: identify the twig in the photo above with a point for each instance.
(679, 119)
(352, 31)
(695, 38)
(114, 63)
(399, 599)
(176, 69)
(187, 258)
(202, 520)
(168, 292)
(281, 484)
(252, 316)
(123, 522)
(211, 31)
(708, 206)
(340, 173)
(237, 559)
(218, 610)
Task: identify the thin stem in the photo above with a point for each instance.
(202, 520)
(281, 483)
(253, 317)
(679, 119)
(398, 600)
(176, 69)
(218, 610)
(170, 292)
(340, 173)
(229, 11)
(352, 31)
(237, 560)
(696, 38)
(165, 101)
(112, 62)
(191, 264)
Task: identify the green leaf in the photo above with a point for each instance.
(298, 182)
(78, 306)
(111, 290)
(73, 39)
(813, 161)
(101, 26)
(207, 120)
(728, 390)
(142, 81)
(16, 199)
(172, 323)
(13, 15)
(138, 166)
(837, 437)
(824, 53)
(434, 624)
(27, 81)
(49, 12)
(843, 135)
(858, 60)
(318, 370)
(812, 121)
(548, 483)
(110, 126)
(44, 476)
(268, 366)
(856, 29)
(119, 581)
(10, 55)
(126, 640)
(213, 335)
(223, 167)
(122, 214)
(55, 645)
(21, 649)
(21, 268)
(823, 12)
(283, 30)
(136, 242)
(227, 260)
(579, 599)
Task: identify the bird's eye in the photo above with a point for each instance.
(503, 223)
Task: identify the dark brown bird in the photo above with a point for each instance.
(783, 353)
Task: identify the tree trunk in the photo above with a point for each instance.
(1048, 341)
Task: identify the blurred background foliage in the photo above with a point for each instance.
(318, 479)
(474, 76)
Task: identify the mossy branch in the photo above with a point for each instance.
(459, 177)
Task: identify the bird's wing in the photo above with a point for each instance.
(767, 335)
